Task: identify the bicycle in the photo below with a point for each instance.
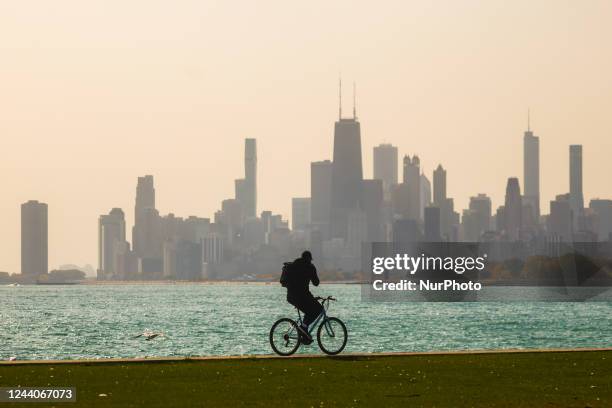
(331, 334)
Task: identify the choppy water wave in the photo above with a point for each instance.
(62, 322)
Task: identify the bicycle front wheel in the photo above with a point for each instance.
(332, 336)
(284, 337)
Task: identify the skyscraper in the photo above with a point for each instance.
(246, 188)
(250, 176)
(212, 247)
(385, 167)
(347, 173)
(145, 194)
(603, 212)
(372, 204)
(111, 231)
(412, 181)
(253, 233)
(144, 211)
(500, 219)
(560, 223)
(477, 219)
(147, 232)
(425, 194)
(320, 196)
(531, 170)
(182, 259)
(439, 186)
(406, 231)
(357, 231)
(300, 213)
(449, 219)
(481, 205)
(575, 196)
(34, 238)
(513, 209)
(232, 217)
(432, 224)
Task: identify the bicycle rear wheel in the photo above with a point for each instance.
(332, 336)
(284, 337)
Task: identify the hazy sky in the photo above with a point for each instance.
(96, 93)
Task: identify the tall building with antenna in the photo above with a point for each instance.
(347, 170)
(531, 170)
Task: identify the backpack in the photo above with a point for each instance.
(287, 268)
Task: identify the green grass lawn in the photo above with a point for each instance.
(563, 379)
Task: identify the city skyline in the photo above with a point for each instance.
(173, 91)
(174, 246)
(145, 192)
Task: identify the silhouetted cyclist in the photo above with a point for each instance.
(296, 278)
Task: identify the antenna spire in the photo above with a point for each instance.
(528, 120)
(340, 97)
(354, 101)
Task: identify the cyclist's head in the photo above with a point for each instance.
(306, 255)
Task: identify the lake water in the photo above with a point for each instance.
(82, 321)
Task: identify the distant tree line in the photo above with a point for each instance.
(566, 270)
(55, 276)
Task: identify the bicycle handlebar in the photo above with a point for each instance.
(327, 298)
